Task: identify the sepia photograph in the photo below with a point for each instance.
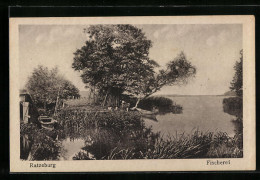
(133, 89)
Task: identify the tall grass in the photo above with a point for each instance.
(224, 146)
(196, 145)
(184, 146)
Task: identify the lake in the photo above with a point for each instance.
(203, 113)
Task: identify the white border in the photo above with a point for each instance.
(248, 162)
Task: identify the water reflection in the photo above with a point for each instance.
(87, 143)
(71, 147)
(212, 114)
(203, 113)
(234, 106)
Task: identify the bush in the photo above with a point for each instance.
(43, 145)
(233, 106)
(82, 155)
(163, 104)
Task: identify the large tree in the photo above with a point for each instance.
(115, 60)
(45, 86)
(237, 82)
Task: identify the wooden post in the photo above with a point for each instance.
(25, 112)
(57, 102)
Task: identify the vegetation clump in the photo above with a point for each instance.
(48, 87)
(163, 104)
(233, 106)
(42, 143)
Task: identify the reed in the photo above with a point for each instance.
(183, 146)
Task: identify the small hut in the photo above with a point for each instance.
(28, 111)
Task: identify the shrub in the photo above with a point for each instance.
(233, 106)
(43, 144)
(163, 104)
(83, 155)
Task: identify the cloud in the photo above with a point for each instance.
(39, 38)
(178, 31)
(159, 32)
(223, 36)
(211, 40)
(217, 39)
(156, 34)
(57, 34)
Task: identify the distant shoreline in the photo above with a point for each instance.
(177, 95)
(86, 94)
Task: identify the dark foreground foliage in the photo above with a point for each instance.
(40, 144)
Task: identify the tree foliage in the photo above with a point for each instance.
(45, 85)
(237, 82)
(115, 60)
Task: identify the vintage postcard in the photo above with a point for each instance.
(111, 94)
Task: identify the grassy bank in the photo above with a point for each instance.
(160, 103)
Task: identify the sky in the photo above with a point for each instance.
(212, 48)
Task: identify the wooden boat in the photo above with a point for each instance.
(47, 122)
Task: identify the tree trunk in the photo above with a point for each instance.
(139, 99)
(103, 104)
(44, 105)
(137, 103)
(57, 101)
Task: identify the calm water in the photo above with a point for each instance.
(204, 113)
(71, 147)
